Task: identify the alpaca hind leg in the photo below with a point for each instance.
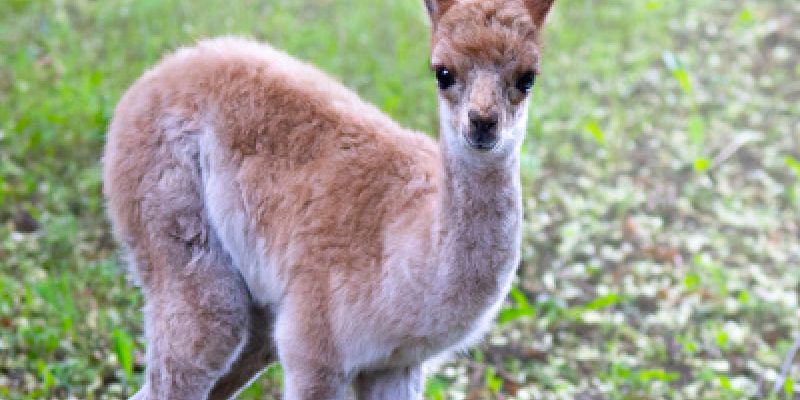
(196, 325)
(254, 357)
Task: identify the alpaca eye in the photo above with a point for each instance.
(526, 81)
(445, 77)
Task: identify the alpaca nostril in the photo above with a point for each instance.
(482, 122)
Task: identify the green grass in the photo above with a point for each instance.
(661, 176)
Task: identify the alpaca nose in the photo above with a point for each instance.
(483, 122)
(482, 133)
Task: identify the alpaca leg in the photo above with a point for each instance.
(256, 355)
(196, 325)
(313, 382)
(393, 384)
(312, 370)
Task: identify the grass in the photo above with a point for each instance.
(661, 176)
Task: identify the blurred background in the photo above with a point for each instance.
(661, 257)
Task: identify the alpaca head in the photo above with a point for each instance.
(485, 56)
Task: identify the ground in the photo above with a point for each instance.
(662, 184)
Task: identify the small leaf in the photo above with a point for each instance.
(722, 340)
(689, 346)
(744, 297)
(697, 131)
(436, 389)
(683, 80)
(597, 133)
(508, 315)
(746, 17)
(520, 309)
(653, 5)
(123, 347)
(691, 281)
(493, 382)
(794, 165)
(519, 298)
(675, 66)
(650, 375)
(604, 302)
(702, 164)
(46, 375)
(725, 382)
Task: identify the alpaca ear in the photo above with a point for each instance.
(539, 10)
(437, 8)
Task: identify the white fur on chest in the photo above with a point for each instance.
(407, 322)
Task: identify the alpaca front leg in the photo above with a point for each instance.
(307, 377)
(312, 370)
(314, 383)
(392, 384)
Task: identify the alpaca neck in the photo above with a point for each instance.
(480, 216)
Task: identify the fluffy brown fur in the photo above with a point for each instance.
(271, 214)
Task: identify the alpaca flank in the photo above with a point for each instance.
(270, 214)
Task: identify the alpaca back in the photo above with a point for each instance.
(241, 142)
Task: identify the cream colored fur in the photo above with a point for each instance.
(270, 214)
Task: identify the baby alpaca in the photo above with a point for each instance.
(270, 214)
